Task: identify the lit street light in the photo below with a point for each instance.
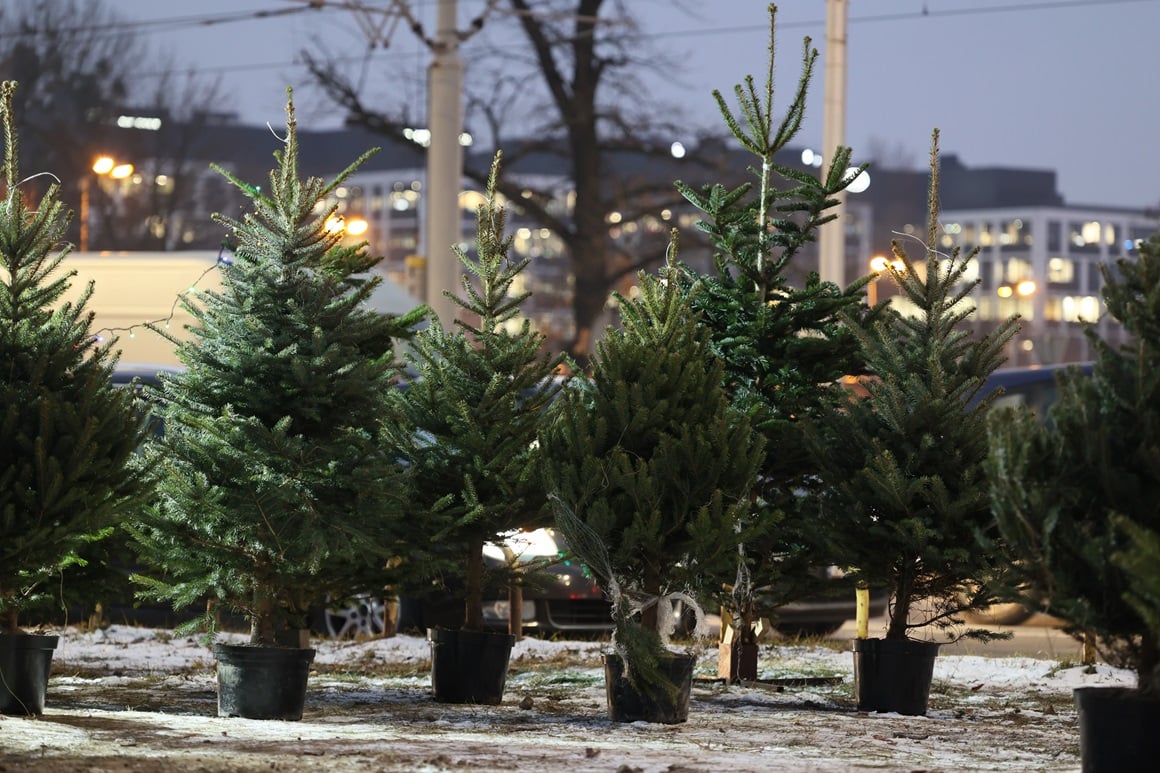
(103, 166)
(878, 264)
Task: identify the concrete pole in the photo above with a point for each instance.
(832, 239)
(444, 225)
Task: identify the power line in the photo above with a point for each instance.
(165, 24)
(925, 13)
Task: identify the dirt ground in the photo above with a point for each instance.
(368, 709)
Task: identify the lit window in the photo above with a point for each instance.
(1060, 271)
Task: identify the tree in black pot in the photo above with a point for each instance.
(780, 342)
(66, 433)
(650, 470)
(1075, 505)
(466, 429)
(905, 493)
(276, 489)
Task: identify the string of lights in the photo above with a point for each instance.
(225, 257)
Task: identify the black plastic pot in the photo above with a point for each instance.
(666, 705)
(262, 682)
(469, 666)
(893, 675)
(25, 662)
(1117, 729)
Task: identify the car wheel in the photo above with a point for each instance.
(360, 617)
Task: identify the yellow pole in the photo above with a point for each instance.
(862, 610)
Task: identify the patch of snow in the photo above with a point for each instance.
(144, 696)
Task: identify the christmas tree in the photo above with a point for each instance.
(467, 422)
(651, 467)
(903, 468)
(66, 433)
(783, 346)
(276, 487)
(1075, 503)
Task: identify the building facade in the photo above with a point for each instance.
(1044, 264)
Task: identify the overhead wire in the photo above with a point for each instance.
(164, 24)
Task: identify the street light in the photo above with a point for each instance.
(878, 264)
(103, 166)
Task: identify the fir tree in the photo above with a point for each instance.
(1075, 503)
(66, 433)
(468, 421)
(782, 345)
(276, 487)
(650, 467)
(903, 468)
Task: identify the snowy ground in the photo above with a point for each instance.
(133, 699)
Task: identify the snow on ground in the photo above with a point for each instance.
(134, 699)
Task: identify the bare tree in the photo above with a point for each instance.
(78, 66)
(892, 156)
(587, 109)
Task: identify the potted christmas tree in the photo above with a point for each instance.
(650, 470)
(1075, 508)
(904, 492)
(66, 433)
(275, 488)
(780, 342)
(466, 430)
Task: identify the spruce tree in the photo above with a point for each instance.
(277, 485)
(650, 467)
(905, 493)
(782, 345)
(467, 423)
(1075, 502)
(66, 433)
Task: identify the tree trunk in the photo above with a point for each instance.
(900, 611)
(1148, 678)
(473, 588)
(262, 622)
(8, 621)
(650, 615)
(516, 610)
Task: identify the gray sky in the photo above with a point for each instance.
(1069, 85)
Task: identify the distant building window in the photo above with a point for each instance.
(1015, 233)
(1060, 271)
(1084, 236)
(1080, 308)
(1095, 279)
(1054, 242)
(1016, 270)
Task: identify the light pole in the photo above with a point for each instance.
(444, 163)
(832, 235)
(103, 166)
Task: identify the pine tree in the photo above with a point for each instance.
(66, 433)
(903, 468)
(468, 421)
(783, 346)
(1075, 503)
(650, 467)
(276, 487)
